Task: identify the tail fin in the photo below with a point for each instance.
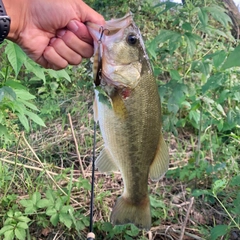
(126, 212)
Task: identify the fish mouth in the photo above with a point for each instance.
(98, 33)
(111, 27)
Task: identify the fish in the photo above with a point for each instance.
(130, 124)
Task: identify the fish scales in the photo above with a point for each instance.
(131, 127)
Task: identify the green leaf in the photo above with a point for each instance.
(51, 211)
(24, 219)
(10, 213)
(9, 235)
(203, 17)
(233, 60)
(107, 226)
(202, 67)
(218, 231)
(1, 94)
(163, 36)
(34, 68)
(22, 225)
(187, 26)
(219, 14)
(59, 204)
(156, 203)
(43, 203)
(214, 81)
(23, 120)
(219, 58)
(66, 219)
(166, 35)
(219, 185)
(15, 56)
(14, 84)
(24, 94)
(103, 97)
(175, 75)
(236, 96)
(133, 232)
(199, 192)
(29, 105)
(235, 181)
(35, 118)
(36, 197)
(66, 209)
(194, 115)
(54, 86)
(58, 74)
(4, 132)
(191, 40)
(6, 228)
(80, 226)
(177, 96)
(25, 203)
(220, 109)
(168, 6)
(20, 233)
(50, 195)
(54, 219)
(8, 93)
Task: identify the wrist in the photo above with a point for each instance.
(16, 10)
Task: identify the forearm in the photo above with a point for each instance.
(16, 10)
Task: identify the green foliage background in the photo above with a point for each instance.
(197, 67)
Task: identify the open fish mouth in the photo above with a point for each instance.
(104, 71)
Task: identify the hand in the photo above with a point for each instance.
(52, 32)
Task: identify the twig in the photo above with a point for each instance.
(19, 155)
(150, 235)
(14, 169)
(27, 166)
(76, 145)
(47, 172)
(186, 218)
(193, 236)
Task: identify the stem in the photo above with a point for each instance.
(15, 167)
(238, 226)
(199, 137)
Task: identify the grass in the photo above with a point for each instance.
(47, 159)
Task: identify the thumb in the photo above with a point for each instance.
(90, 15)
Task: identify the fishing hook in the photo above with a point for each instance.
(99, 69)
(102, 31)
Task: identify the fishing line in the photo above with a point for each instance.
(91, 235)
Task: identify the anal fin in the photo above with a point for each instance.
(160, 163)
(105, 162)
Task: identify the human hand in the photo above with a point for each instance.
(52, 32)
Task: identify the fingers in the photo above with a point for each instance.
(53, 60)
(78, 39)
(69, 47)
(80, 30)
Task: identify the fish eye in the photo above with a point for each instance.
(132, 39)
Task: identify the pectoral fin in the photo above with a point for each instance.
(105, 162)
(160, 163)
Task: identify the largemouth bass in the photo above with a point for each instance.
(131, 126)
